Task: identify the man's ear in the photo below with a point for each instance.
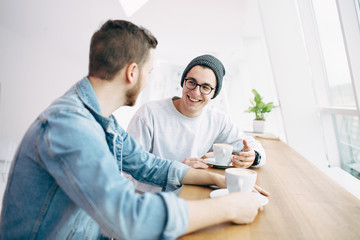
(132, 72)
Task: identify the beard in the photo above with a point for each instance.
(132, 94)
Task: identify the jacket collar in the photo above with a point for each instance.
(87, 95)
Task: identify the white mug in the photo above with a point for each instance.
(240, 180)
(222, 153)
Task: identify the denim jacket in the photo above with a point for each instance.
(66, 179)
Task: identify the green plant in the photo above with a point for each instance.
(259, 107)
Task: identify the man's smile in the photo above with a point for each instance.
(193, 100)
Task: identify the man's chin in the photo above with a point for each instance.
(131, 98)
(130, 103)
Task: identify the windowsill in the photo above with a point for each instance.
(266, 135)
(345, 180)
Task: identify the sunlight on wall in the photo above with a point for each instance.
(131, 6)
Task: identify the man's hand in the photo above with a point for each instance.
(245, 158)
(200, 177)
(244, 205)
(238, 208)
(196, 162)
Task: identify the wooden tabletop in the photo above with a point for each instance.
(304, 202)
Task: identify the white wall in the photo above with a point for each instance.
(44, 50)
(45, 45)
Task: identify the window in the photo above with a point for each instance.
(348, 138)
(339, 34)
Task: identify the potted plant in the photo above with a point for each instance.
(259, 108)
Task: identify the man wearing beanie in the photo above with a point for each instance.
(184, 129)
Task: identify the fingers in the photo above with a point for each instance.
(241, 164)
(196, 163)
(193, 160)
(246, 145)
(246, 205)
(245, 156)
(209, 155)
(243, 160)
(200, 165)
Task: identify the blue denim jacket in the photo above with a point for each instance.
(66, 183)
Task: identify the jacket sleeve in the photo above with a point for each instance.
(78, 157)
(147, 167)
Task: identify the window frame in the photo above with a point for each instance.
(351, 40)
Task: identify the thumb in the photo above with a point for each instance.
(246, 145)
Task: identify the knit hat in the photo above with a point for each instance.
(211, 62)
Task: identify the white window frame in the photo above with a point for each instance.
(348, 12)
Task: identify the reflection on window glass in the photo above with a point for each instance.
(340, 88)
(348, 131)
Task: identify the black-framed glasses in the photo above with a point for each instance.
(191, 84)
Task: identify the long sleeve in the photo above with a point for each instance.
(91, 179)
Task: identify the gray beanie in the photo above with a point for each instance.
(211, 62)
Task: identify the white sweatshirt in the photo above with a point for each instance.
(162, 130)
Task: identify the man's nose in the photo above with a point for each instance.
(197, 90)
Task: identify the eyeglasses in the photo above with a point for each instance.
(204, 88)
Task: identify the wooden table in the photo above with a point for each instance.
(304, 202)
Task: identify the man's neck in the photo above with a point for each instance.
(182, 109)
(109, 94)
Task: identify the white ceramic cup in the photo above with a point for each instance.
(240, 180)
(222, 153)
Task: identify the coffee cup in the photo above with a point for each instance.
(222, 153)
(240, 180)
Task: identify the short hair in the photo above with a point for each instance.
(116, 44)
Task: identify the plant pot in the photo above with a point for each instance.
(258, 126)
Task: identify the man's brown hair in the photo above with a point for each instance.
(116, 44)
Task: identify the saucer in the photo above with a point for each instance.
(221, 192)
(217, 165)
